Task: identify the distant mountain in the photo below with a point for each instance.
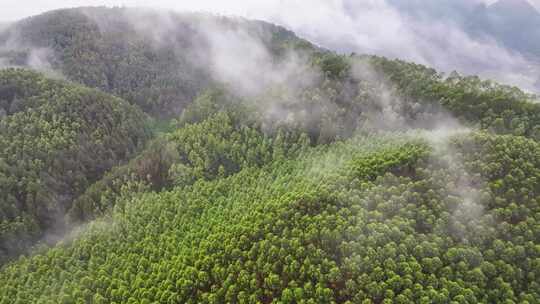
(455, 10)
(514, 23)
(510, 7)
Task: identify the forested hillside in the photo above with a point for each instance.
(157, 157)
(364, 220)
(56, 139)
(483, 103)
(157, 60)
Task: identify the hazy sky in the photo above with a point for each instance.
(17, 9)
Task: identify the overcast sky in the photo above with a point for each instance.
(16, 9)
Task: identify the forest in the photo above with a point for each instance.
(136, 167)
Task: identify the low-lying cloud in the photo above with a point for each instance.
(367, 26)
(14, 53)
(376, 27)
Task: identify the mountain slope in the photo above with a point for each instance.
(56, 139)
(332, 179)
(365, 220)
(157, 60)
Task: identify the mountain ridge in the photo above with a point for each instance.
(519, 5)
(293, 175)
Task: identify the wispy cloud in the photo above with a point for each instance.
(366, 26)
(375, 27)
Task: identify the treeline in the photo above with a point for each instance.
(56, 139)
(485, 104)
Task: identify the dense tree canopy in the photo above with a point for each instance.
(338, 183)
(55, 140)
(156, 60)
(362, 221)
(483, 103)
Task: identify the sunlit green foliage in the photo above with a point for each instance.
(368, 220)
(213, 148)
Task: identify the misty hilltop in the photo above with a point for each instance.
(151, 156)
(159, 60)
